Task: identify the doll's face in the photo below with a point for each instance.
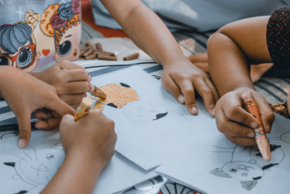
(25, 58)
(69, 45)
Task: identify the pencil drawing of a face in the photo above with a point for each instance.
(38, 166)
(243, 171)
(145, 111)
(142, 112)
(247, 164)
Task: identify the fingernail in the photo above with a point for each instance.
(92, 88)
(89, 78)
(181, 99)
(21, 143)
(194, 110)
(251, 134)
(254, 124)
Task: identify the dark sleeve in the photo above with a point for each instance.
(278, 38)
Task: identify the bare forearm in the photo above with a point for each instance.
(233, 48)
(229, 68)
(78, 174)
(146, 29)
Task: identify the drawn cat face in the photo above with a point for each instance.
(244, 171)
(145, 111)
(38, 166)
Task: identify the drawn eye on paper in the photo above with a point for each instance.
(247, 164)
(38, 166)
(142, 112)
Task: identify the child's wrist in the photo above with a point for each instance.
(84, 156)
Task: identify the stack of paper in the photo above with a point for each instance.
(155, 132)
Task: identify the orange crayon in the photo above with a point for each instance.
(84, 108)
(99, 93)
(260, 136)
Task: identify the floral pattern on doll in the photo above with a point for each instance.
(62, 22)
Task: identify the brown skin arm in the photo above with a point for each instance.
(230, 51)
(233, 48)
(78, 174)
(150, 34)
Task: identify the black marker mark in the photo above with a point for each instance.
(257, 178)
(272, 149)
(269, 166)
(21, 192)
(112, 105)
(12, 164)
(125, 85)
(161, 115)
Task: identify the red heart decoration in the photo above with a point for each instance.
(45, 52)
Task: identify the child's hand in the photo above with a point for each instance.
(236, 123)
(71, 84)
(24, 94)
(93, 134)
(181, 78)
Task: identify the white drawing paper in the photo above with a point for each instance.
(29, 170)
(212, 164)
(151, 129)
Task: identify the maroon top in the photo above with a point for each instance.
(278, 37)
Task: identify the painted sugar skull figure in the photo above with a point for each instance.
(62, 22)
(18, 45)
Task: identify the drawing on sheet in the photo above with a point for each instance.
(123, 96)
(142, 112)
(247, 164)
(118, 95)
(160, 186)
(8, 134)
(37, 166)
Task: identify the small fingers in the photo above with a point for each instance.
(242, 141)
(171, 87)
(76, 88)
(266, 113)
(213, 90)
(73, 98)
(78, 75)
(59, 106)
(206, 95)
(189, 95)
(70, 65)
(42, 114)
(48, 124)
(231, 128)
(240, 115)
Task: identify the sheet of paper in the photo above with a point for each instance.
(32, 168)
(213, 164)
(152, 128)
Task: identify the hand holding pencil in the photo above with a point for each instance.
(236, 123)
